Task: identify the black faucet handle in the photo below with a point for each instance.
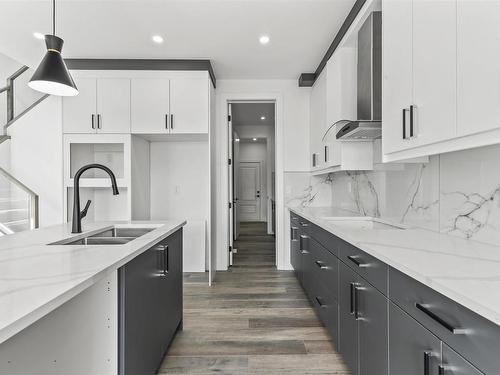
(84, 211)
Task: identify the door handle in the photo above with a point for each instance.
(412, 115)
(98, 121)
(404, 122)
(171, 121)
(165, 260)
(93, 121)
(440, 321)
(321, 265)
(166, 121)
(353, 307)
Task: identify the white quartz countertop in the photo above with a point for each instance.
(465, 271)
(36, 278)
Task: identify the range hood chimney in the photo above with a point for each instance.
(368, 125)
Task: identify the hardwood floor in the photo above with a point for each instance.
(254, 320)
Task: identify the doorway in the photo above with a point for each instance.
(251, 149)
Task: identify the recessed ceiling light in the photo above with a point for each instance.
(39, 36)
(254, 139)
(237, 140)
(157, 39)
(262, 117)
(264, 39)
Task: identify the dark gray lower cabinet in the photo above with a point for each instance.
(348, 324)
(413, 349)
(454, 364)
(295, 255)
(150, 306)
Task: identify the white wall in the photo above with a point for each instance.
(293, 148)
(37, 157)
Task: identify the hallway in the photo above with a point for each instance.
(254, 320)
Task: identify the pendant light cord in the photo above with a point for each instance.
(53, 17)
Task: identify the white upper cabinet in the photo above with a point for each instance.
(113, 105)
(189, 105)
(79, 112)
(318, 120)
(150, 106)
(478, 66)
(419, 73)
(102, 106)
(434, 70)
(176, 105)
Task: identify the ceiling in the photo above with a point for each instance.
(224, 31)
(250, 114)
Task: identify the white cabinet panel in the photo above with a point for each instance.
(78, 110)
(478, 52)
(434, 70)
(113, 105)
(318, 118)
(150, 105)
(189, 105)
(397, 71)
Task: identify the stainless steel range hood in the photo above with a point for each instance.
(368, 126)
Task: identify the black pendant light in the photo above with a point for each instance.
(52, 76)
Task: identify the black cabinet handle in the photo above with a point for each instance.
(98, 121)
(404, 123)
(321, 304)
(326, 154)
(166, 121)
(427, 363)
(321, 265)
(439, 320)
(355, 260)
(304, 252)
(356, 302)
(412, 108)
(441, 370)
(303, 237)
(293, 232)
(93, 121)
(171, 121)
(165, 259)
(304, 224)
(353, 298)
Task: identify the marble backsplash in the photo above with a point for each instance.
(456, 193)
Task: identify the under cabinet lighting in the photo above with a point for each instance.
(263, 118)
(237, 140)
(254, 139)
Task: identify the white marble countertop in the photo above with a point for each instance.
(466, 271)
(36, 278)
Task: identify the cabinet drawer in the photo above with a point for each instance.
(372, 269)
(325, 267)
(325, 238)
(454, 364)
(475, 338)
(327, 309)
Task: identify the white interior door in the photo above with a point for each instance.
(236, 182)
(230, 183)
(249, 191)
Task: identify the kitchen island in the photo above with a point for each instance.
(67, 303)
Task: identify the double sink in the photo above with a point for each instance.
(111, 236)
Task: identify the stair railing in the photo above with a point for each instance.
(33, 206)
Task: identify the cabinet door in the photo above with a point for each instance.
(294, 246)
(454, 364)
(189, 105)
(478, 52)
(397, 72)
(79, 111)
(140, 352)
(373, 330)
(348, 324)
(113, 105)
(306, 267)
(150, 106)
(434, 70)
(318, 118)
(413, 350)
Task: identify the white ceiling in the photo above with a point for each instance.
(224, 31)
(249, 114)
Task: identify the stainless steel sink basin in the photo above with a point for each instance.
(123, 232)
(112, 236)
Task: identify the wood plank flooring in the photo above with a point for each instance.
(254, 320)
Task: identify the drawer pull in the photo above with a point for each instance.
(321, 304)
(442, 322)
(442, 369)
(303, 224)
(302, 238)
(427, 363)
(321, 265)
(353, 299)
(293, 233)
(355, 260)
(304, 252)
